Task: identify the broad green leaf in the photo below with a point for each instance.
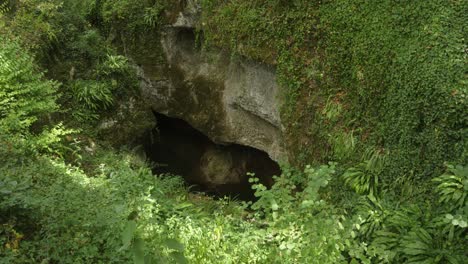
(138, 251)
(179, 257)
(174, 244)
(127, 234)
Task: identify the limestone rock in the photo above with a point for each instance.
(231, 100)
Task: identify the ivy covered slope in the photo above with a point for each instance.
(359, 75)
(378, 86)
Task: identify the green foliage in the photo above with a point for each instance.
(133, 16)
(27, 100)
(32, 23)
(4, 8)
(408, 233)
(25, 95)
(359, 76)
(453, 186)
(413, 231)
(382, 78)
(96, 80)
(402, 75)
(364, 178)
(343, 145)
(392, 73)
(92, 94)
(304, 226)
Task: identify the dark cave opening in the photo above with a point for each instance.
(219, 170)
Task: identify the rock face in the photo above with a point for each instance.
(231, 100)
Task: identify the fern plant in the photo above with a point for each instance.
(453, 186)
(4, 7)
(423, 245)
(361, 179)
(114, 64)
(364, 178)
(92, 94)
(24, 94)
(387, 240)
(152, 15)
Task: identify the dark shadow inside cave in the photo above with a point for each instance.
(220, 170)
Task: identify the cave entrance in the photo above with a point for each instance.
(219, 170)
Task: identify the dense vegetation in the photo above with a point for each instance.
(377, 86)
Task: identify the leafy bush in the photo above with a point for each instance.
(31, 22)
(303, 227)
(25, 95)
(26, 101)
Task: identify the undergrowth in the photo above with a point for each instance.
(379, 87)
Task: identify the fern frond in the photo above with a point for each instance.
(453, 186)
(4, 7)
(362, 180)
